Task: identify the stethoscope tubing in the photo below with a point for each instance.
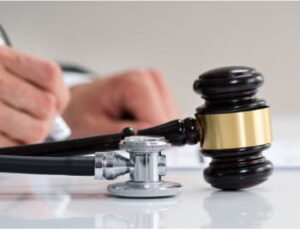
(71, 147)
(71, 166)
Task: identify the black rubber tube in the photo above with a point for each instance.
(73, 147)
(177, 132)
(72, 166)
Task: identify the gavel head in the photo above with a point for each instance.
(235, 127)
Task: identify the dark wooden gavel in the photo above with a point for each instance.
(233, 128)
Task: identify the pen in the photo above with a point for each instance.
(60, 130)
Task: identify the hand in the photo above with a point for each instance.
(137, 98)
(32, 92)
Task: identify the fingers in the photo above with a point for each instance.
(146, 96)
(42, 73)
(5, 141)
(167, 97)
(31, 93)
(25, 97)
(22, 127)
(139, 96)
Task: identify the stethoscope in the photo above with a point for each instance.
(145, 164)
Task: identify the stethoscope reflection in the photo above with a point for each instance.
(243, 210)
(119, 213)
(128, 213)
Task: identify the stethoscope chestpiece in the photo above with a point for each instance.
(146, 165)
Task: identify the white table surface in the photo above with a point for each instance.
(80, 202)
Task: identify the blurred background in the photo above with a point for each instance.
(182, 39)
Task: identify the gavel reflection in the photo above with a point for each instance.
(233, 128)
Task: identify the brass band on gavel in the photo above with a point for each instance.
(235, 130)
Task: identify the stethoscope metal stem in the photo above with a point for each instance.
(146, 165)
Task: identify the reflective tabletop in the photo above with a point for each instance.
(31, 201)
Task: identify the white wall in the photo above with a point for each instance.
(182, 39)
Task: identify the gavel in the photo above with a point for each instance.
(233, 128)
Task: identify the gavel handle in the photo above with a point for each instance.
(177, 132)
